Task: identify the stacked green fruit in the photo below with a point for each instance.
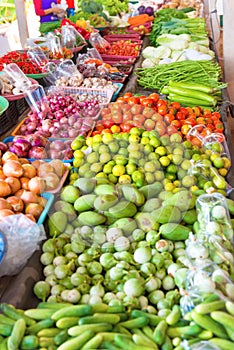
(143, 157)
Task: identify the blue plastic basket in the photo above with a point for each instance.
(50, 198)
(10, 139)
(115, 95)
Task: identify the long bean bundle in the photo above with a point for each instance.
(201, 72)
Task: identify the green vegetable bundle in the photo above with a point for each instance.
(185, 71)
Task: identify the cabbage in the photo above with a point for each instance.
(156, 52)
(148, 63)
(173, 41)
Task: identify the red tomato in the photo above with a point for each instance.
(141, 98)
(176, 123)
(216, 115)
(125, 127)
(185, 111)
(162, 109)
(147, 102)
(161, 103)
(127, 95)
(96, 132)
(168, 118)
(190, 121)
(180, 115)
(107, 124)
(105, 111)
(133, 100)
(126, 107)
(154, 96)
(176, 105)
(120, 99)
(157, 117)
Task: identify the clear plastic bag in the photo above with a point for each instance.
(71, 37)
(22, 237)
(17, 76)
(200, 345)
(54, 44)
(98, 42)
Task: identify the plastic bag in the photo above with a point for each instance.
(98, 42)
(71, 37)
(23, 237)
(200, 345)
(19, 79)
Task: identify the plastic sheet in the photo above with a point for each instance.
(22, 237)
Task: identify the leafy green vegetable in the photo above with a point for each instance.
(46, 27)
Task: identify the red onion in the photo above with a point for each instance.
(18, 151)
(64, 134)
(63, 120)
(73, 133)
(31, 126)
(3, 147)
(57, 145)
(54, 154)
(22, 143)
(68, 154)
(37, 152)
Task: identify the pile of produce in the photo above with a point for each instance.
(38, 147)
(22, 60)
(139, 247)
(153, 113)
(121, 48)
(196, 72)
(60, 116)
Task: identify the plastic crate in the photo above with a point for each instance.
(21, 106)
(119, 59)
(106, 93)
(50, 198)
(9, 118)
(115, 95)
(69, 161)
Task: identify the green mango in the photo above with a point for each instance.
(105, 202)
(90, 218)
(150, 205)
(123, 209)
(85, 185)
(57, 223)
(174, 231)
(230, 204)
(127, 225)
(189, 216)
(66, 208)
(151, 190)
(133, 194)
(85, 202)
(164, 195)
(165, 214)
(102, 189)
(70, 194)
(145, 222)
(184, 200)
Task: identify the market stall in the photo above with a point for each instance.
(116, 187)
